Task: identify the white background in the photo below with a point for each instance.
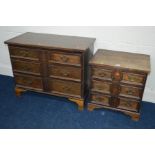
(77, 13)
(140, 39)
(77, 142)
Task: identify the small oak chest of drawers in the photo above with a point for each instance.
(52, 64)
(118, 81)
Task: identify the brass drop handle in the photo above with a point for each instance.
(66, 88)
(102, 74)
(64, 58)
(24, 53)
(66, 74)
(29, 82)
(130, 92)
(131, 78)
(100, 87)
(27, 68)
(128, 104)
(101, 99)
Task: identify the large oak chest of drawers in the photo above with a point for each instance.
(118, 81)
(52, 64)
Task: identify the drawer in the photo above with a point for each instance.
(27, 67)
(100, 99)
(101, 86)
(65, 87)
(65, 58)
(129, 104)
(134, 78)
(23, 53)
(101, 73)
(29, 81)
(67, 72)
(131, 91)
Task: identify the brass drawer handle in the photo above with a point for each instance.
(24, 53)
(65, 74)
(25, 81)
(130, 92)
(102, 74)
(26, 68)
(131, 79)
(64, 58)
(29, 82)
(66, 88)
(99, 87)
(101, 99)
(127, 104)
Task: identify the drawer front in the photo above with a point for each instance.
(134, 78)
(128, 104)
(29, 81)
(101, 99)
(65, 58)
(101, 73)
(65, 87)
(101, 86)
(24, 53)
(65, 71)
(131, 91)
(22, 66)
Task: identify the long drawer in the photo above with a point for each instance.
(67, 72)
(65, 87)
(118, 75)
(24, 53)
(28, 81)
(121, 103)
(26, 67)
(65, 58)
(116, 89)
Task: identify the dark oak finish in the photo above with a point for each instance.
(64, 58)
(118, 81)
(52, 64)
(101, 73)
(27, 81)
(23, 53)
(66, 87)
(52, 41)
(134, 61)
(26, 67)
(65, 72)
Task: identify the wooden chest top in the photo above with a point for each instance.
(133, 61)
(51, 41)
